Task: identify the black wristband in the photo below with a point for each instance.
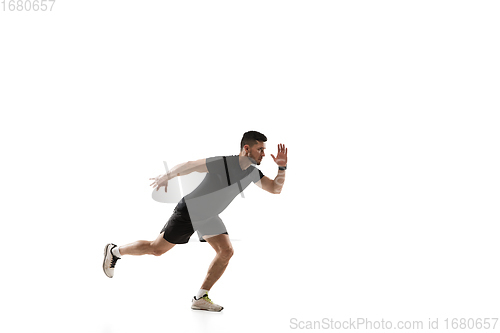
(282, 168)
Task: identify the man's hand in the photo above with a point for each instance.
(281, 157)
(159, 181)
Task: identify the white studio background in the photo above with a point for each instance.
(389, 110)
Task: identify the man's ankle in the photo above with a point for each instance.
(116, 252)
(201, 293)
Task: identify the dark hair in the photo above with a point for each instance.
(251, 137)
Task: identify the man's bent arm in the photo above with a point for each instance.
(273, 186)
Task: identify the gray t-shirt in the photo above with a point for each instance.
(223, 182)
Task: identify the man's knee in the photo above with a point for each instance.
(157, 250)
(226, 252)
(160, 246)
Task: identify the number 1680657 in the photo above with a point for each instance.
(27, 5)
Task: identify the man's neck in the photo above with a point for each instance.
(245, 162)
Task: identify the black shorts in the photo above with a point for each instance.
(179, 227)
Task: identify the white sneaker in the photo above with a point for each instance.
(205, 303)
(109, 260)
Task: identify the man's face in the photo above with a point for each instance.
(257, 151)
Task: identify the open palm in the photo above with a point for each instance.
(281, 158)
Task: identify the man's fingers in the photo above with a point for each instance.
(281, 149)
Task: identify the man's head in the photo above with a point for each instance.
(253, 145)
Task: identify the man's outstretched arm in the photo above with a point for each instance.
(188, 167)
(179, 170)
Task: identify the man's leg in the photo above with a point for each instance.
(224, 249)
(112, 252)
(224, 252)
(156, 247)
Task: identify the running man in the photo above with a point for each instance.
(226, 177)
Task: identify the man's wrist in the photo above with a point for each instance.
(281, 168)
